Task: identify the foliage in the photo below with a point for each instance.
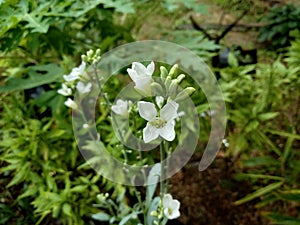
(264, 123)
(281, 21)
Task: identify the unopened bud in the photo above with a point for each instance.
(163, 73)
(154, 213)
(90, 53)
(84, 58)
(173, 87)
(184, 94)
(173, 70)
(157, 89)
(180, 78)
(168, 81)
(98, 52)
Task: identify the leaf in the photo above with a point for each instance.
(37, 24)
(267, 116)
(259, 192)
(153, 207)
(261, 161)
(122, 6)
(101, 216)
(283, 219)
(67, 210)
(42, 74)
(284, 134)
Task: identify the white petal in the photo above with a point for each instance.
(150, 68)
(83, 88)
(81, 68)
(133, 74)
(70, 103)
(65, 90)
(72, 76)
(159, 100)
(120, 107)
(140, 69)
(143, 84)
(147, 110)
(169, 111)
(167, 200)
(150, 133)
(168, 131)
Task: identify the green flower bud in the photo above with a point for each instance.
(180, 78)
(173, 70)
(154, 213)
(163, 73)
(90, 53)
(184, 94)
(157, 89)
(98, 52)
(168, 82)
(173, 88)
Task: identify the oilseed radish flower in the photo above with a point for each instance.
(75, 73)
(84, 88)
(65, 90)
(71, 104)
(171, 207)
(141, 76)
(120, 108)
(158, 125)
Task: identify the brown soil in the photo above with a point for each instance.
(208, 197)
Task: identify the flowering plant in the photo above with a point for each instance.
(154, 105)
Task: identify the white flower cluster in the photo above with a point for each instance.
(78, 75)
(161, 122)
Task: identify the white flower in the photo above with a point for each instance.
(142, 76)
(158, 126)
(71, 104)
(75, 73)
(225, 142)
(65, 90)
(84, 88)
(159, 101)
(120, 108)
(171, 207)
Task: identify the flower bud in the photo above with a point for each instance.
(157, 89)
(90, 53)
(154, 213)
(173, 88)
(180, 78)
(168, 82)
(184, 94)
(163, 73)
(173, 70)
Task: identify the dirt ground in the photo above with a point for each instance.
(208, 197)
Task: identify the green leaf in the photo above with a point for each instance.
(122, 6)
(101, 216)
(39, 75)
(261, 161)
(260, 192)
(267, 116)
(36, 23)
(67, 210)
(284, 134)
(283, 219)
